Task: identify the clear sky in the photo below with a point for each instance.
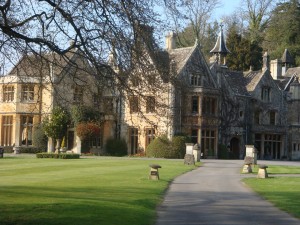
(226, 8)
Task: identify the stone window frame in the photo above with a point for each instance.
(26, 129)
(150, 104)
(6, 130)
(78, 94)
(149, 135)
(27, 93)
(134, 105)
(8, 93)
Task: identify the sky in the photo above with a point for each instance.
(227, 7)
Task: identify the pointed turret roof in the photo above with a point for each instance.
(286, 57)
(220, 46)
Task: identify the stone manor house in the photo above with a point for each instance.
(204, 100)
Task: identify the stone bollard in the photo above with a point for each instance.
(154, 175)
(262, 171)
(247, 168)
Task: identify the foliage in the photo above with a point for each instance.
(178, 145)
(86, 130)
(116, 147)
(32, 150)
(58, 156)
(284, 30)
(39, 139)
(244, 53)
(55, 126)
(162, 147)
(80, 113)
(63, 142)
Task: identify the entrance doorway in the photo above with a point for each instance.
(235, 148)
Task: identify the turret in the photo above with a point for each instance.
(220, 50)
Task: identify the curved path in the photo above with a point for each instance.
(214, 194)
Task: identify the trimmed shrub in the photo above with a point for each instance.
(32, 150)
(178, 146)
(116, 147)
(162, 147)
(39, 139)
(57, 156)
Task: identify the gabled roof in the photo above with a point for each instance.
(252, 79)
(180, 56)
(237, 82)
(291, 71)
(37, 65)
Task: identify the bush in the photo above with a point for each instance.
(32, 150)
(178, 146)
(116, 147)
(57, 156)
(39, 139)
(162, 147)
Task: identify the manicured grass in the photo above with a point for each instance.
(98, 190)
(283, 192)
(272, 169)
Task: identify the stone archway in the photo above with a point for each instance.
(235, 148)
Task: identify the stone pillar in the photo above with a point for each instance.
(17, 130)
(196, 152)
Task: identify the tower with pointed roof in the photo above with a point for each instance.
(220, 49)
(287, 60)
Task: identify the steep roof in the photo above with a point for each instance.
(237, 82)
(180, 56)
(220, 46)
(291, 71)
(286, 57)
(252, 79)
(37, 65)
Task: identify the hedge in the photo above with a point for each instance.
(162, 147)
(58, 156)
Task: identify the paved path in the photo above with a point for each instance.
(214, 194)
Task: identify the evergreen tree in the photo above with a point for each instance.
(244, 53)
(284, 30)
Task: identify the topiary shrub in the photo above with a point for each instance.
(178, 146)
(116, 147)
(160, 147)
(39, 139)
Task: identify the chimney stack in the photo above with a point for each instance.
(170, 41)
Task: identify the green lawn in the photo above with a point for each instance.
(98, 190)
(283, 192)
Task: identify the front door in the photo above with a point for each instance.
(235, 148)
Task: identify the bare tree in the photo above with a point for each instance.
(96, 28)
(194, 13)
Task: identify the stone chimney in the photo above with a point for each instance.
(170, 41)
(276, 68)
(266, 61)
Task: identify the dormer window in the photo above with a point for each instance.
(196, 79)
(266, 94)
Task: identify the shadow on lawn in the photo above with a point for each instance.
(77, 205)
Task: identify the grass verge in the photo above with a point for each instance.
(86, 191)
(282, 191)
